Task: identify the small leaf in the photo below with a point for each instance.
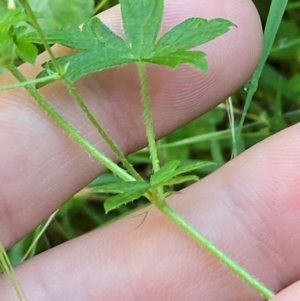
(121, 187)
(180, 180)
(165, 177)
(27, 51)
(191, 33)
(174, 59)
(164, 173)
(192, 166)
(142, 21)
(123, 198)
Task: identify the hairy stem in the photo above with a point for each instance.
(78, 98)
(38, 28)
(101, 131)
(148, 116)
(216, 252)
(29, 82)
(69, 129)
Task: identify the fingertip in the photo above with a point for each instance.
(291, 293)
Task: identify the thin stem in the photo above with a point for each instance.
(69, 129)
(39, 235)
(148, 116)
(100, 5)
(215, 251)
(79, 99)
(101, 131)
(29, 82)
(38, 28)
(8, 269)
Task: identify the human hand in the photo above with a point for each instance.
(248, 208)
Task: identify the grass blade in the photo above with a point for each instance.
(273, 21)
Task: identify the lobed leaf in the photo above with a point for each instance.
(174, 59)
(142, 21)
(98, 48)
(191, 33)
(121, 187)
(192, 166)
(182, 179)
(124, 198)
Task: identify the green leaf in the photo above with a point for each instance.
(124, 198)
(121, 187)
(142, 21)
(56, 13)
(174, 59)
(27, 51)
(191, 33)
(180, 180)
(164, 173)
(98, 48)
(192, 166)
(168, 172)
(11, 17)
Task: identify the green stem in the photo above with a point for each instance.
(69, 129)
(38, 28)
(101, 131)
(100, 5)
(79, 99)
(29, 82)
(215, 251)
(148, 116)
(8, 269)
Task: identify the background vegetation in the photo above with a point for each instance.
(275, 105)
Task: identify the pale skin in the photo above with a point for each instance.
(249, 208)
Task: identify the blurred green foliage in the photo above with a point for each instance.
(276, 105)
(53, 14)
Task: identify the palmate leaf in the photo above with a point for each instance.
(99, 48)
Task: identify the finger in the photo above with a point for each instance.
(292, 293)
(40, 167)
(249, 208)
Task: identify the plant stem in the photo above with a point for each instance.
(79, 99)
(81, 102)
(101, 131)
(38, 28)
(69, 129)
(215, 251)
(100, 5)
(29, 82)
(8, 269)
(148, 116)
